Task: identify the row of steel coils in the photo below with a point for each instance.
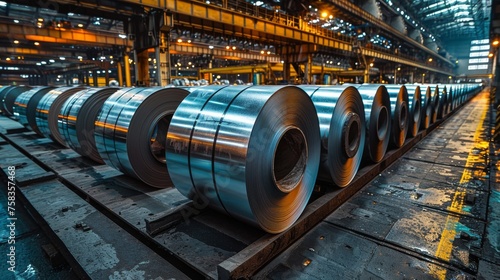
(253, 152)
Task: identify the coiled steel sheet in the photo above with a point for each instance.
(252, 152)
(343, 128)
(442, 106)
(415, 109)
(130, 131)
(377, 107)
(3, 90)
(25, 107)
(426, 99)
(48, 109)
(9, 96)
(434, 102)
(77, 119)
(399, 114)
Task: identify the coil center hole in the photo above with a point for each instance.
(158, 137)
(290, 159)
(351, 132)
(382, 123)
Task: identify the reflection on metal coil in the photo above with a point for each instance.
(399, 114)
(8, 98)
(342, 127)
(252, 152)
(378, 120)
(426, 98)
(25, 107)
(130, 131)
(414, 110)
(77, 119)
(434, 102)
(47, 111)
(442, 106)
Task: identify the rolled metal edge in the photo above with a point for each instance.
(377, 107)
(442, 106)
(77, 120)
(342, 128)
(25, 107)
(415, 102)
(48, 109)
(3, 91)
(434, 102)
(267, 162)
(131, 132)
(400, 114)
(9, 98)
(426, 98)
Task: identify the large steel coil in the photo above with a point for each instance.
(3, 90)
(25, 107)
(130, 131)
(426, 103)
(377, 105)
(434, 102)
(252, 152)
(77, 119)
(343, 128)
(48, 109)
(9, 98)
(415, 109)
(399, 114)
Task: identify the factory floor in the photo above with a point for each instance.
(432, 214)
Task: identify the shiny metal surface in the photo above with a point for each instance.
(377, 107)
(77, 120)
(130, 131)
(8, 98)
(48, 109)
(3, 90)
(426, 102)
(342, 128)
(435, 102)
(415, 109)
(399, 113)
(25, 107)
(451, 98)
(252, 152)
(443, 101)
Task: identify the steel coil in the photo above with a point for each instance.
(399, 114)
(343, 128)
(9, 98)
(426, 103)
(77, 119)
(442, 105)
(130, 131)
(3, 91)
(47, 112)
(252, 152)
(415, 109)
(377, 105)
(25, 107)
(434, 102)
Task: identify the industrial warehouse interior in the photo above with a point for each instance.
(243, 139)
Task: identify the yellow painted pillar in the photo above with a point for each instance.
(119, 72)
(126, 63)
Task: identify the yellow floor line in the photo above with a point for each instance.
(445, 245)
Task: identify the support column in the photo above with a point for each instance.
(162, 54)
(142, 67)
(119, 73)
(106, 73)
(411, 77)
(128, 80)
(366, 74)
(431, 77)
(286, 70)
(308, 70)
(95, 81)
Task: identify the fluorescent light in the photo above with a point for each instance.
(123, 36)
(62, 58)
(3, 3)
